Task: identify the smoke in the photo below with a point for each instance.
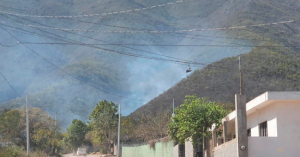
(137, 78)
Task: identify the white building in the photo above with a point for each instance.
(273, 122)
(273, 128)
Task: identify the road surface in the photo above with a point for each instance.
(90, 155)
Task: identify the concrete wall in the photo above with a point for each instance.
(161, 150)
(228, 149)
(176, 151)
(189, 149)
(283, 128)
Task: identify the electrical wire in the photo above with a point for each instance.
(94, 15)
(105, 91)
(146, 45)
(123, 27)
(130, 28)
(10, 85)
(182, 62)
(5, 44)
(125, 46)
(131, 54)
(157, 32)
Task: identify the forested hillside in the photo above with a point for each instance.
(272, 65)
(71, 78)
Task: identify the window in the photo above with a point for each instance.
(249, 132)
(263, 129)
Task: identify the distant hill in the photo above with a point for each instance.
(53, 90)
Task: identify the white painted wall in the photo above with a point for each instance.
(176, 151)
(272, 127)
(188, 149)
(268, 114)
(283, 141)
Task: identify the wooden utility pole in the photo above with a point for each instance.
(27, 127)
(119, 129)
(241, 76)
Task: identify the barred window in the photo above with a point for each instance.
(263, 129)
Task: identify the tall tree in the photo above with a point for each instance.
(44, 135)
(43, 132)
(104, 122)
(10, 125)
(128, 128)
(194, 119)
(76, 133)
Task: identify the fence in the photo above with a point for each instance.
(162, 149)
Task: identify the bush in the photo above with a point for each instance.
(11, 151)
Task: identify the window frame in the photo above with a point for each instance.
(249, 132)
(265, 130)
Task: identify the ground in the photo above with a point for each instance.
(90, 155)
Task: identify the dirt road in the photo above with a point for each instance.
(90, 155)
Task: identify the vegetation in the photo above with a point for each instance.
(272, 64)
(16, 151)
(10, 125)
(45, 135)
(76, 134)
(194, 119)
(104, 123)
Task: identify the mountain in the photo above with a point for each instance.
(271, 65)
(70, 79)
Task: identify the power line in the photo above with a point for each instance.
(95, 15)
(10, 85)
(130, 28)
(179, 61)
(157, 32)
(66, 71)
(152, 23)
(130, 54)
(144, 45)
(6, 45)
(171, 35)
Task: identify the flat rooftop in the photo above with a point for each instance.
(265, 99)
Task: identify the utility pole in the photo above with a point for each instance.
(173, 115)
(212, 79)
(55, 123)
(27, 127)
(241, 76)
(55, 119)
(119, 129)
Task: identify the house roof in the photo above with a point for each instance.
(264, 100)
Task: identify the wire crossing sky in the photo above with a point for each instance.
(95, 15)
(155, 32)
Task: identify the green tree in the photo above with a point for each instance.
(43, 132)
(10, 125)
(128, 128)
(76, 133)
(104, 123)
(194, 119)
